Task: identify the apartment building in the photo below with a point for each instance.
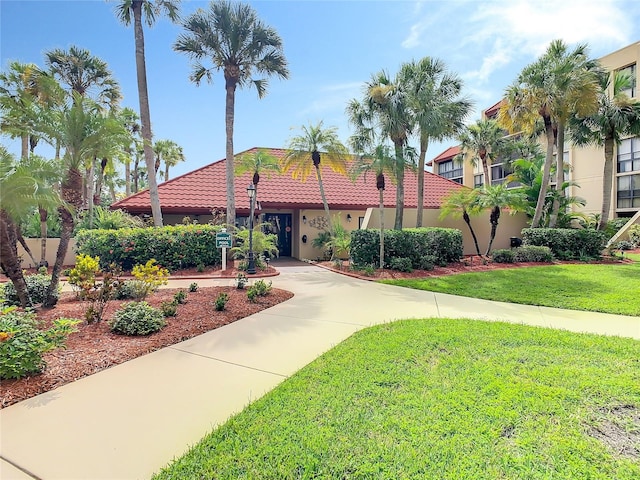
(586, 164)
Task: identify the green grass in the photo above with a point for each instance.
(438, 399)
(593, 287)
(633, 256)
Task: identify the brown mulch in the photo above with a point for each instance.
(93, 347)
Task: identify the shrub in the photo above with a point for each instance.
(193, 287)
(22, 343)
(258, 289)
(83, 276)
(137, 318)
(262, 243)
(221, 301)
(427, 262)
(634, 235)
(625, 245)
(127, 290)
(37, 286)
(532, 253)
(180, 297)
(101, 294)
(169, 309)
(241, 281)
(567, 243)
(503, 255)
(149, 277)
(401, 264)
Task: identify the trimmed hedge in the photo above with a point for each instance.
(567, 243)
(421, 246)
(173, 247)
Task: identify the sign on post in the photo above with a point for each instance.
(223, 240)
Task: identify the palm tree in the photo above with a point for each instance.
(381, 161)
(438, 107)
(385, 112)
(150, 9)
(497, 197)
(555, 87)
(129, 119)
(617, 116)
(484, 140)
(257, 161)
(304, 154)
(237, 42)
(463, 203)
(23, 185)
(169, 153)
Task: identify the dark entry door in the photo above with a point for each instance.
(280, 224)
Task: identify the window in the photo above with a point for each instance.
(629, 155)
(629, 191)
(478, 180)
(451, 169)
(630, 70)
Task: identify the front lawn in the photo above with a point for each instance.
(445, 399)
(592, 287)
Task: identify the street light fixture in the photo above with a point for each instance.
(251, 192)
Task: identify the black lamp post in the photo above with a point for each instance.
(251, 192)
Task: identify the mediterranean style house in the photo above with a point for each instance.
(293, 209)
(586, 164)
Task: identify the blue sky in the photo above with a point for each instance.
(332, 47)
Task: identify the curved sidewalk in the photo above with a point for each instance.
(129, 421)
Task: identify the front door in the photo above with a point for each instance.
(280, 225)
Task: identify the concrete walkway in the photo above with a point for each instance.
(129, 421)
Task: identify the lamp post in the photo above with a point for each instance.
(251, 192)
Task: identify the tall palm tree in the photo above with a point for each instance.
(305, 153)
(237, 42)
(463, 203)
(130, 120)
(169, 153)
(439, 109)
(150, 10)
(497, 197)
(24, 185)
(484, 140)
(617, 116)
(382, 162)
(561, 83)
(385, 112)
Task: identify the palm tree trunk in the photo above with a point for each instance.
(467, 220)
(324, 198)
(145, 115)
(495, 216)
(381, 191)
(10, 261)
(127, 178)
(24, 147)
(89, 199)
(399, 184)
(542, 195)
(555, 211)
(230, 176)
(424, 144)
(23, 242)
(607, 182)
(44, 215)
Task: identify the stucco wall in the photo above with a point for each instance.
(52, 249)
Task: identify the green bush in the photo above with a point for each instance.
(258, 289)
(174, 246)
(532, 253)
(180, 297)
(443, 244)
(22, 343)
(221, 301)
(401, 264)
(148, 277)
(625, 245)
(137, 318)
(427, 262)
(634, 235)
(193, 287)
(169, 309)
(128, 290)
(502, 255)
(83, 276)
(567, 243)
(37, 286)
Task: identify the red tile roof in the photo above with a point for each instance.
(448, 154)
(492, 111)
(204, 189)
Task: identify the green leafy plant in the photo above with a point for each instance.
(241, 280)
(180, 297)
(634, 235)
(262, 243)
(532, 253)
(137, 318)
(221, 301)
(149, 277)
(101, 294)
(22, 343)
(193, 287)
(401, 264)
(258, 289)
(82, 277)
(502, 255)
(37, 286)
(321, 242)
(169, 309)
